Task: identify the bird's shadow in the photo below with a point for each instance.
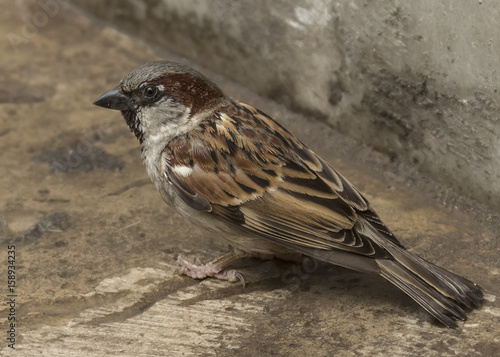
(300, 278)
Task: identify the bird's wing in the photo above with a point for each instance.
(242, 166)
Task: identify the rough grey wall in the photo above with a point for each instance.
(415, 79)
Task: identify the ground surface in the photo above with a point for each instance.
(96, 246)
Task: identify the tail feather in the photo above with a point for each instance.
(447, 283)
(442, 293)
(445, 309)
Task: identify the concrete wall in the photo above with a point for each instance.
(418, 80)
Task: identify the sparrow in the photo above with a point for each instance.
(232, 169)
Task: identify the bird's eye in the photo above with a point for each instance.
(150, 91)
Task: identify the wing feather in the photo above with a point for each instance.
(250, 171)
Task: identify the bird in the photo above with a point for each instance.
(230, 168)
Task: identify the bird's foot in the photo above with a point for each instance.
(215, 268)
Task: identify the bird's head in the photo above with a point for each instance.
(162, 98)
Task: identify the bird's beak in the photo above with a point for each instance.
(114, 99)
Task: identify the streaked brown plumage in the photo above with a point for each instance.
(231, 168)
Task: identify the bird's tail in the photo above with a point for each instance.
(442, 293)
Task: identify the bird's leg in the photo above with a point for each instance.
(215, 268)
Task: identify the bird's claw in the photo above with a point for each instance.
(215, 269)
